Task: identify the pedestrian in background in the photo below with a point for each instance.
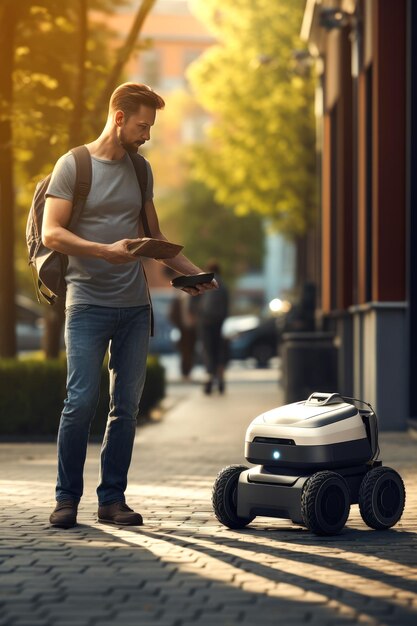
(213, 310)
(183, 316)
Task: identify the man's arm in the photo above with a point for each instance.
(179, 263)
(56, 236)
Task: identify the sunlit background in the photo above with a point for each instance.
(232, 153)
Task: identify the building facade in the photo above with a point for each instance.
(172, 37)
(366, 59)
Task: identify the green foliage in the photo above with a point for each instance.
(45, 90)
(187, 209)
(32, 394)
(45, 81)
(261, 155)
(210, 231)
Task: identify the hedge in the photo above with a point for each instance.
(32, 394)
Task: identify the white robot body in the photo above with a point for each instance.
(314, 460)
(321, 431)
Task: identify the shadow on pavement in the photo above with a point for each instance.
(188, 571)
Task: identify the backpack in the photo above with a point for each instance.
(49, 266)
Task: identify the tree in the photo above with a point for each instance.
(55, 316)
(261, 154)
(10, 14)
(52, 70)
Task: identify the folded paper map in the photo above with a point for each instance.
(154, 248)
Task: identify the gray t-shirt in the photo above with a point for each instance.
(111, 213)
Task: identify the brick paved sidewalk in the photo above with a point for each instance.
(182, 568)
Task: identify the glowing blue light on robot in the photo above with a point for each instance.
(276, 454)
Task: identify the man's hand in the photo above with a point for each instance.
(200, 288)
(118, 253)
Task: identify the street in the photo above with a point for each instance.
(182, 567)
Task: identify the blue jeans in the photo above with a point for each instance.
(89, 331)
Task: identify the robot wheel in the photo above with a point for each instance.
(381, 498)
(224, 497)
(325, 503)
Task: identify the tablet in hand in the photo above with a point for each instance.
(192, 280)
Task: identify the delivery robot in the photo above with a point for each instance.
(314, 459)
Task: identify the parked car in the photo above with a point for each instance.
(29, 325)
(252, 337)
(164, 340)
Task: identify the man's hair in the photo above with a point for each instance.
(128, 97)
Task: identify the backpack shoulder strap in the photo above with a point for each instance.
(83, 177)
(141, 170)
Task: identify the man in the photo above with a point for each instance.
(183, 315)
(107, 303)
(213, 310)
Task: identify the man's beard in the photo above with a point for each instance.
(131, 147)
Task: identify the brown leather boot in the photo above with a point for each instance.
(65, 514)
(119, 514)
